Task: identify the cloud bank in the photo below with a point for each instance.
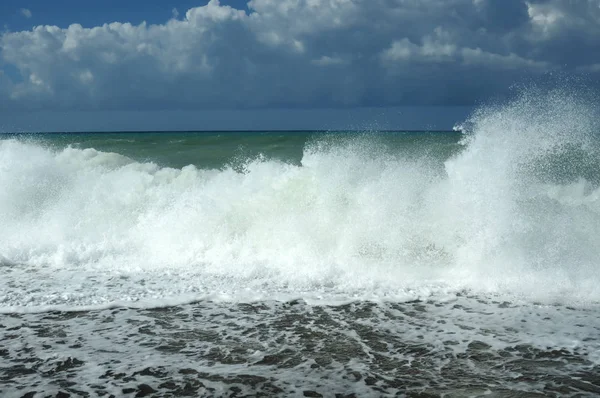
(302, 53)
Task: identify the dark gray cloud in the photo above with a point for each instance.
(303, 53)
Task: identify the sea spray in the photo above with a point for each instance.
(514, 212)
(520, 233)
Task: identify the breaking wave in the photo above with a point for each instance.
(515, 213)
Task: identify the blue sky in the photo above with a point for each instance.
(116, 65)
(93, 12)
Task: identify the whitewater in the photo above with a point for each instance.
(307, 264)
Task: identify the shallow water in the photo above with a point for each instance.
(464, 346)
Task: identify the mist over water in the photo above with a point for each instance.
(512, 210)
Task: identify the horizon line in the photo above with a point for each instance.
(236, 131)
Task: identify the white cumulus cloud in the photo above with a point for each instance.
(289, 53)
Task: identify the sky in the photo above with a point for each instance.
(280, 64)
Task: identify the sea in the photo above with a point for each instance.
(459, 263)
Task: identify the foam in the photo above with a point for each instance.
(516, 213)
(457, 347)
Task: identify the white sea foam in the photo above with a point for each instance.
(509, 216)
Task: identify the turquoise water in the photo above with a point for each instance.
(218, 149)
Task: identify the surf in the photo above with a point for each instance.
(513, 211)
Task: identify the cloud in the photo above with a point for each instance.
(175, 13)
(313, 53)
(565, 32)
(26, 12)
(328, 61)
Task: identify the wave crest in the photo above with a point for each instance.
(516, 212)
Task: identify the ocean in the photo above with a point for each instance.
(306, 264)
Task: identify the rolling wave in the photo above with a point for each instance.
(516, 213)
